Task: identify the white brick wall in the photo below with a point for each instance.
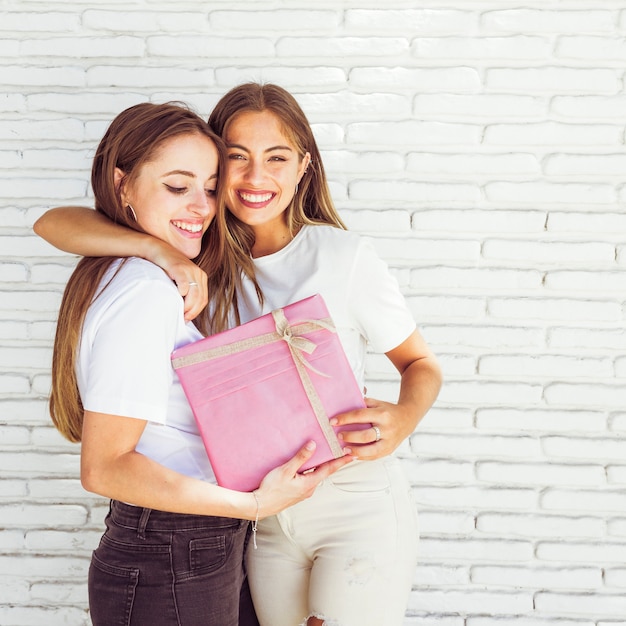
(481, 144)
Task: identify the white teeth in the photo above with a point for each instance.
(190, 228)
(256, 197)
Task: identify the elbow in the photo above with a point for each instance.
(91, 478)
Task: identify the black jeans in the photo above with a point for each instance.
(154, 568)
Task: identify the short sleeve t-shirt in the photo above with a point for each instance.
(124, 367)
(362, 296)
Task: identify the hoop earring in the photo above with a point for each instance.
(296, 189)
(132, 212)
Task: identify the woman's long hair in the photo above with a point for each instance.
(131, 140)
(312, 203)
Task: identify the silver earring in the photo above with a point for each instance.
(296, 188)
(132, 211)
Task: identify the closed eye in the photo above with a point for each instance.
(177, 190)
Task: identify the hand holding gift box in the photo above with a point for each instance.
(261, 390)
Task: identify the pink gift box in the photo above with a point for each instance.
(261, 390)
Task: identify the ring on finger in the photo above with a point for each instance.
(377, 431)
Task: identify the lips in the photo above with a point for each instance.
(256, 199)
(193, 228)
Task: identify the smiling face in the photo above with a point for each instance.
(264, 167)
(173, 194)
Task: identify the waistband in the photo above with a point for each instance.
(146, 520)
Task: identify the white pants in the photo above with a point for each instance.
(347, 554)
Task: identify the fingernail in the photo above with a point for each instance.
(333, 422)
(310, 445)
(347, 451)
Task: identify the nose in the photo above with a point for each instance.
(201, 204)
(254, 171)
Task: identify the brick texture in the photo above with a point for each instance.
(481, 145)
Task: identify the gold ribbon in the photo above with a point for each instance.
(291, 335)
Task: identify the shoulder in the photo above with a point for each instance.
(332, 238)
(138, 282)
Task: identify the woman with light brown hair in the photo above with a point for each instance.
(172, 552)
(347, 555)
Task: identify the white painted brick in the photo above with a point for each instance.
(136, 77)
(561, 309)
(541, 191)
(475, 550)
(412, 20)
(585, 165)
(13, 384)
(472, 164)
(436, 620)
(472, 220)
(412, 191)
(338, 47)
(552, 133)
(314, 76)
(23, 516)
(282, 20)
(41, 188)
(13, 272)
(29, 75)
(446, 523)
(620, 367)
(456, 365)
(481, 48)
(348, 105)
(59, 594)
(617, 422)
(468, 446)
(603, 500)
(597, 448)
(549, 252)
(490, 393)
(48, 21)
(528, 420)
(591, 47)
(41, 384)
(596, 605)
(615, 577)
(11, 329)
(411, 249)
(433, 307)
(64, 540)
(473, 602)
(351, 162)
(588, 107)
(616, 474)
(433, 575)
(25, 357)
(439, 472)
(470, 278)
(206, 47)
(485, 336)
(602, 553)
(82, 47)
(608, 281)
(599, 338)
(376, 221)
(552, 79)
(34, 463)
(586, 395)
(544, 366)
(539, 526)
(528, 621)
(13, 489)
(85, 104)
(546, 21)
(26, 246)
(118, 21)
(65, 129)
(460, 79)
(50, 274)
(412, 132)
(538, 577)
(12, 102)
(31, 615)
(539, 474)
(439, 418)
(588, 223)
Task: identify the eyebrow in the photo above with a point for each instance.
(186, 173)
(236, 145)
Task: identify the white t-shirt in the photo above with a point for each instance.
(124, 365)
(363, 298)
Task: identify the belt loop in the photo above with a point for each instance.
(143, 522)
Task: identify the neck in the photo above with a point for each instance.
(270, 239)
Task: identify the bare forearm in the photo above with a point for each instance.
(138, 480)
(419, 387)
(83, 231)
